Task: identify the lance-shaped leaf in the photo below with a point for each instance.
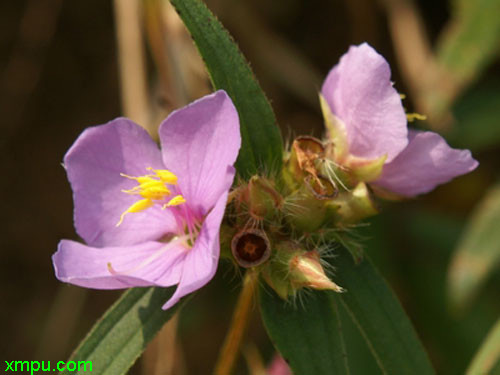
(380, 318)
(261, 148)
(470, 41)
(478, 251)
(487, 358)
(309, 335)
(122, 334)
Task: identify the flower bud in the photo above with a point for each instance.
(306, 271)
(293, 268)
(261, 198)
(250, 247)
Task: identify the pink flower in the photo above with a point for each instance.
(367, 124)
(151, 217)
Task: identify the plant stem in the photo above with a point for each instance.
(239, 323)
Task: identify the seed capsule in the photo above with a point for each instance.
(250, 247)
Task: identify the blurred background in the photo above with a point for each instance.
(67, 65)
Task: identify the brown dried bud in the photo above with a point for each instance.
(321, 187)
(250, 247)
(303, 155)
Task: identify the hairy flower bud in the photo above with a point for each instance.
(293, 268)
(250, 247)
(261, 198)
(306, 271)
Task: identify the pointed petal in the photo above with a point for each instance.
(359, 91)
(200, 143)
(428, 161)
(146, 264)
(93, 164)
(201, 262)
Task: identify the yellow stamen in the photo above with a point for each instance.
(415, 116)
(147, 186)
(136, 207)
(140, 179)
(152, 187)
(165, 175)
(175, 201)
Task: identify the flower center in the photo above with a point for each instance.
(154, 189)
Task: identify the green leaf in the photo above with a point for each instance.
(487, 358)
(380, 318)
(478, 251)
(117, 340)
(261, 149)
(308, 335)
(471, 40)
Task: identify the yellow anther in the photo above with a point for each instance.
(152, 187)
(165, 175)
(175, 201)
(415, 116)
(140, 179)
(155, 192)
(402, 96)
(136, 207)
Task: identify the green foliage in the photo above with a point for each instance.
(117, 340)
(478, 251)
(373, 308)
(309, 336)
(261, 148)
(487, 359)
(471, 41)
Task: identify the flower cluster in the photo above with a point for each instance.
(328, 186)
(152, 217)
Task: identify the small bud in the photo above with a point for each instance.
(261, 198)
(293, 268)
(306, 271)
(250, 247)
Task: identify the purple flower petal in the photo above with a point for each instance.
(359, 91)
(428, 161)
(200, 263)
(94, 164)
(200, 143)
(149, 263)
